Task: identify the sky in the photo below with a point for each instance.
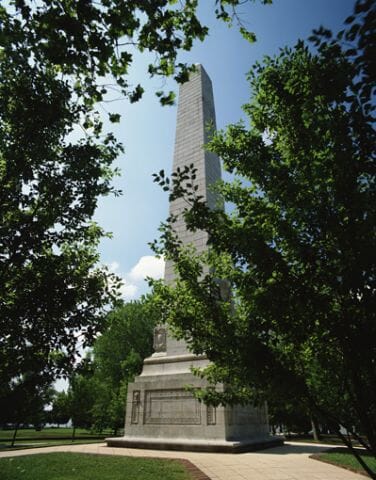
(147, 130)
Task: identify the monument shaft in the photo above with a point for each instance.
(161, 413)
(195, 120)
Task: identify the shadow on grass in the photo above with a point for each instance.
(342, 457)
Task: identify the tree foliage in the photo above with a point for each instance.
(60, 412)
(97, 394)
(298, 247)
(59, 58)
(118, 356)
(52, 293)
(23, 403)
(81, 397)
(88, 40)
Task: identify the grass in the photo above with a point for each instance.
(342, 458)
(73, 466)
(24, 445)
(30, 438)
(50, 433)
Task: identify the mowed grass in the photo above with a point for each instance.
(50, 433)
(81, 466)
(342, 458)
(26, 444)
(30, 438)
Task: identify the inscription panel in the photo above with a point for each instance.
(171, 407)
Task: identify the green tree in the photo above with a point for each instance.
(81, 397)
(25, 403)
(117, 358)
(51, 290)
(97, 393)
(60, 412)
(298, 247)
(53, 293)
(58, 59)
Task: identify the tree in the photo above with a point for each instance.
(60, 412)
(97, 393)
(52, 294)
(298, 247)
(25, 404)
(81, 397)
(57, 61)
(118, 355)
(87, 40)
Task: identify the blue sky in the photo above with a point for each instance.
(147, 130)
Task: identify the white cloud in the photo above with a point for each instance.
(147, 266)
(113, 266)
(134, 285)
(128, 291)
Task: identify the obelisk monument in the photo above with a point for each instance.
(161, 413)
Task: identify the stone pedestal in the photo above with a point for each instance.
(162, 414)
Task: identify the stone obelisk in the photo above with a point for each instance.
(161, 413)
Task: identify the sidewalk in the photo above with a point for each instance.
(289, 462)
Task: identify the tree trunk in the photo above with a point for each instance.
(74, 434)
(315, 429)
(348, 443)
(335, 424)
(14, 434)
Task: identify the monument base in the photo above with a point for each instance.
(186, 445)
(163, 414)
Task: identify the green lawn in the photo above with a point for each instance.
(30, 438)
(342, 458)
(50, 433)
(25, 444)
(80, 466)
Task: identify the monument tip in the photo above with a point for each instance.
(200, 69)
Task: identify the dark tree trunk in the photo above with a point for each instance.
(354, 452)
(14, 434)
(315, 429)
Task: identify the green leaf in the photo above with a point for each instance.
(249, 36)
(114, 117)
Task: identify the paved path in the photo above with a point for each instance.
(289, 462)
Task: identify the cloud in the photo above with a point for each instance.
(147, 266)
(128, 291)
(113, 266)
(134, 284)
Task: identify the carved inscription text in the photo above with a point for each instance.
(171, 407)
